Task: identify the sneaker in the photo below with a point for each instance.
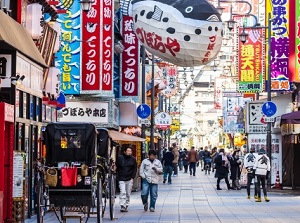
(175, 175)
(164, 181)
(146, 207)
(152, 209)
(248, 197)
(123, 209)
(267, 199)
(218, 188)
(258, 199)
(255, 196)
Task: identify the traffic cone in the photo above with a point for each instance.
(277, 182)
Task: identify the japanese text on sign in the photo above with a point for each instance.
(107, 45)
(68, 58)
(130, 77)
(280, 46)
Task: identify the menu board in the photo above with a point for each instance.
(18, 174)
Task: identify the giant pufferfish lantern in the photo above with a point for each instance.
(186, 33)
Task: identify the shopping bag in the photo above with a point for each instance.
(51, 177)
(68, 176)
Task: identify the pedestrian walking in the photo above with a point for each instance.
(193, 159)
(235, 170)
(262, 172)
(222, 169)
(126, 171)
(214, 153)
(180, 160)
(150, 170)
(168, 165)
(201, 155)
(249, 161)
(207, 160)
(185, 160)
(176, 158)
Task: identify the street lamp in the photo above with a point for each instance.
(86, 5)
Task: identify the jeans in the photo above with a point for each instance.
(152, 188)
(192, 168)
(180, 164)
(168, 173)
(250, 176)
(260, 179)
(186, 168)
(125, 191)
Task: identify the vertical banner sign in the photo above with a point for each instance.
(130, 60)
(68, 58)
(107, 53)
(90, 72)
(297, 40)
(222, 84)
(233, 112)
(250, 78)
(280, 75)
(171, 78)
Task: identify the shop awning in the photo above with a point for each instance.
(14, 36)
(291, 118)
(119, 136)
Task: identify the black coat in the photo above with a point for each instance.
(126, 168)
(168, 158)
(234, 168)
(221, 170)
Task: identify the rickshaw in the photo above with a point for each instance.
(76, 173)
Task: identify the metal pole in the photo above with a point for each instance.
(143, 85)
(169, 130)
(166, 131)
(152, 106)
(269, 133)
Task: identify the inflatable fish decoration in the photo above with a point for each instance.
(183, 32)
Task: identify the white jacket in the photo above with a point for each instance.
(146, 171)
(249, 160)
(262, 165)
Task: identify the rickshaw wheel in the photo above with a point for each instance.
(112, 196)
(40, 208)
(104, 200)
(99, 201)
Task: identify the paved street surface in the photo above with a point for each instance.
(195, 199)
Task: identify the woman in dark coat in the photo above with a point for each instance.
(185, 160)
(222, 169)
(235, 170)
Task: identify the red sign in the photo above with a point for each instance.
(130, 60)
(107, 15)
(90, 76)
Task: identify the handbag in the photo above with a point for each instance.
(84, 170)
(69, 176)
(51, 177)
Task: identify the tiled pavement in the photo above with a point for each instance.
(195, 199)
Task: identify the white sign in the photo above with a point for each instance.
(163, 120)
(269, 119)
(255, 119)
(18, 174)
(259, 141)
(84, 111)
(9, 113)
(144, 121)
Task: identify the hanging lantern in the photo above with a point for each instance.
(186, 33)
(33, 16)
(57, 27)
(52, 80)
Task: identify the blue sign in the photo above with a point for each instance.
(143, 111)
(269, 108)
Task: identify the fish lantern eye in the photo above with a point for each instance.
(189, 9)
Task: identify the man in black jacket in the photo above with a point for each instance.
(126, 171)
(168, 165)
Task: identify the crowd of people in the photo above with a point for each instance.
(225, 165)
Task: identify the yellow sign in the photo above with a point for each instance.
(175, 126)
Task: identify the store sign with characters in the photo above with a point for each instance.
(84, 111)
